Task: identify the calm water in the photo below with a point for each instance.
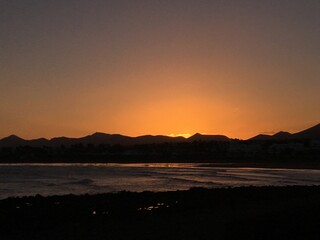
(57, 179)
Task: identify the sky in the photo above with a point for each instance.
(136, 67)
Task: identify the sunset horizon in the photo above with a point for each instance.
(173, 135)
(159, 119)
(236, 68)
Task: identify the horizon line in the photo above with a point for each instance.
(172, 135)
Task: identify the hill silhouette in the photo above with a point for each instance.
(261, 137)
(310, 133)
(201, 137)
(12, 140)
(118, 139)
(95, 139)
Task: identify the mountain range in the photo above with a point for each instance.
(112, 139)
(310, 133)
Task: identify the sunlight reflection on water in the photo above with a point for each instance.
(65, 178)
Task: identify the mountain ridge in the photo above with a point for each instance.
(105, 138)
(309, 133)
(113, 139)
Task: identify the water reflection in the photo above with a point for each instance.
(53, 179)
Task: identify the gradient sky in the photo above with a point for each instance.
(135, 67)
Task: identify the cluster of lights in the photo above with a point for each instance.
(153, 207)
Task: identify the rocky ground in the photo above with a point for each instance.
(234, 213)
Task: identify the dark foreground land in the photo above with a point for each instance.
(237, 213)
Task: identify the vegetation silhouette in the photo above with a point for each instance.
(237, 151)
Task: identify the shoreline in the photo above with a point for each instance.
(268, 165)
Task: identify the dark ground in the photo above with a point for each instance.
(235, 213)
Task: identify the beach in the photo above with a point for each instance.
(27, 179)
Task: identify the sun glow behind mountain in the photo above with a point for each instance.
(155, 67)
(185, 135)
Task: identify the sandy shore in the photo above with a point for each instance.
(235, 213)
(264, 164)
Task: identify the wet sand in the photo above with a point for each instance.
(268, 164)
(234, 213)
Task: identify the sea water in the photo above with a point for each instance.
(59, 179)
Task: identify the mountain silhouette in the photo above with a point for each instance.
(12, 140)
(201, 137)
(58, 141)
(261, 137)
(98, 138)
(113, 139)
(38, 142)
(149, 139)
(95, 139)
(282, 135)
(310, 133)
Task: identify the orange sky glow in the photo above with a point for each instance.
(237, 68)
